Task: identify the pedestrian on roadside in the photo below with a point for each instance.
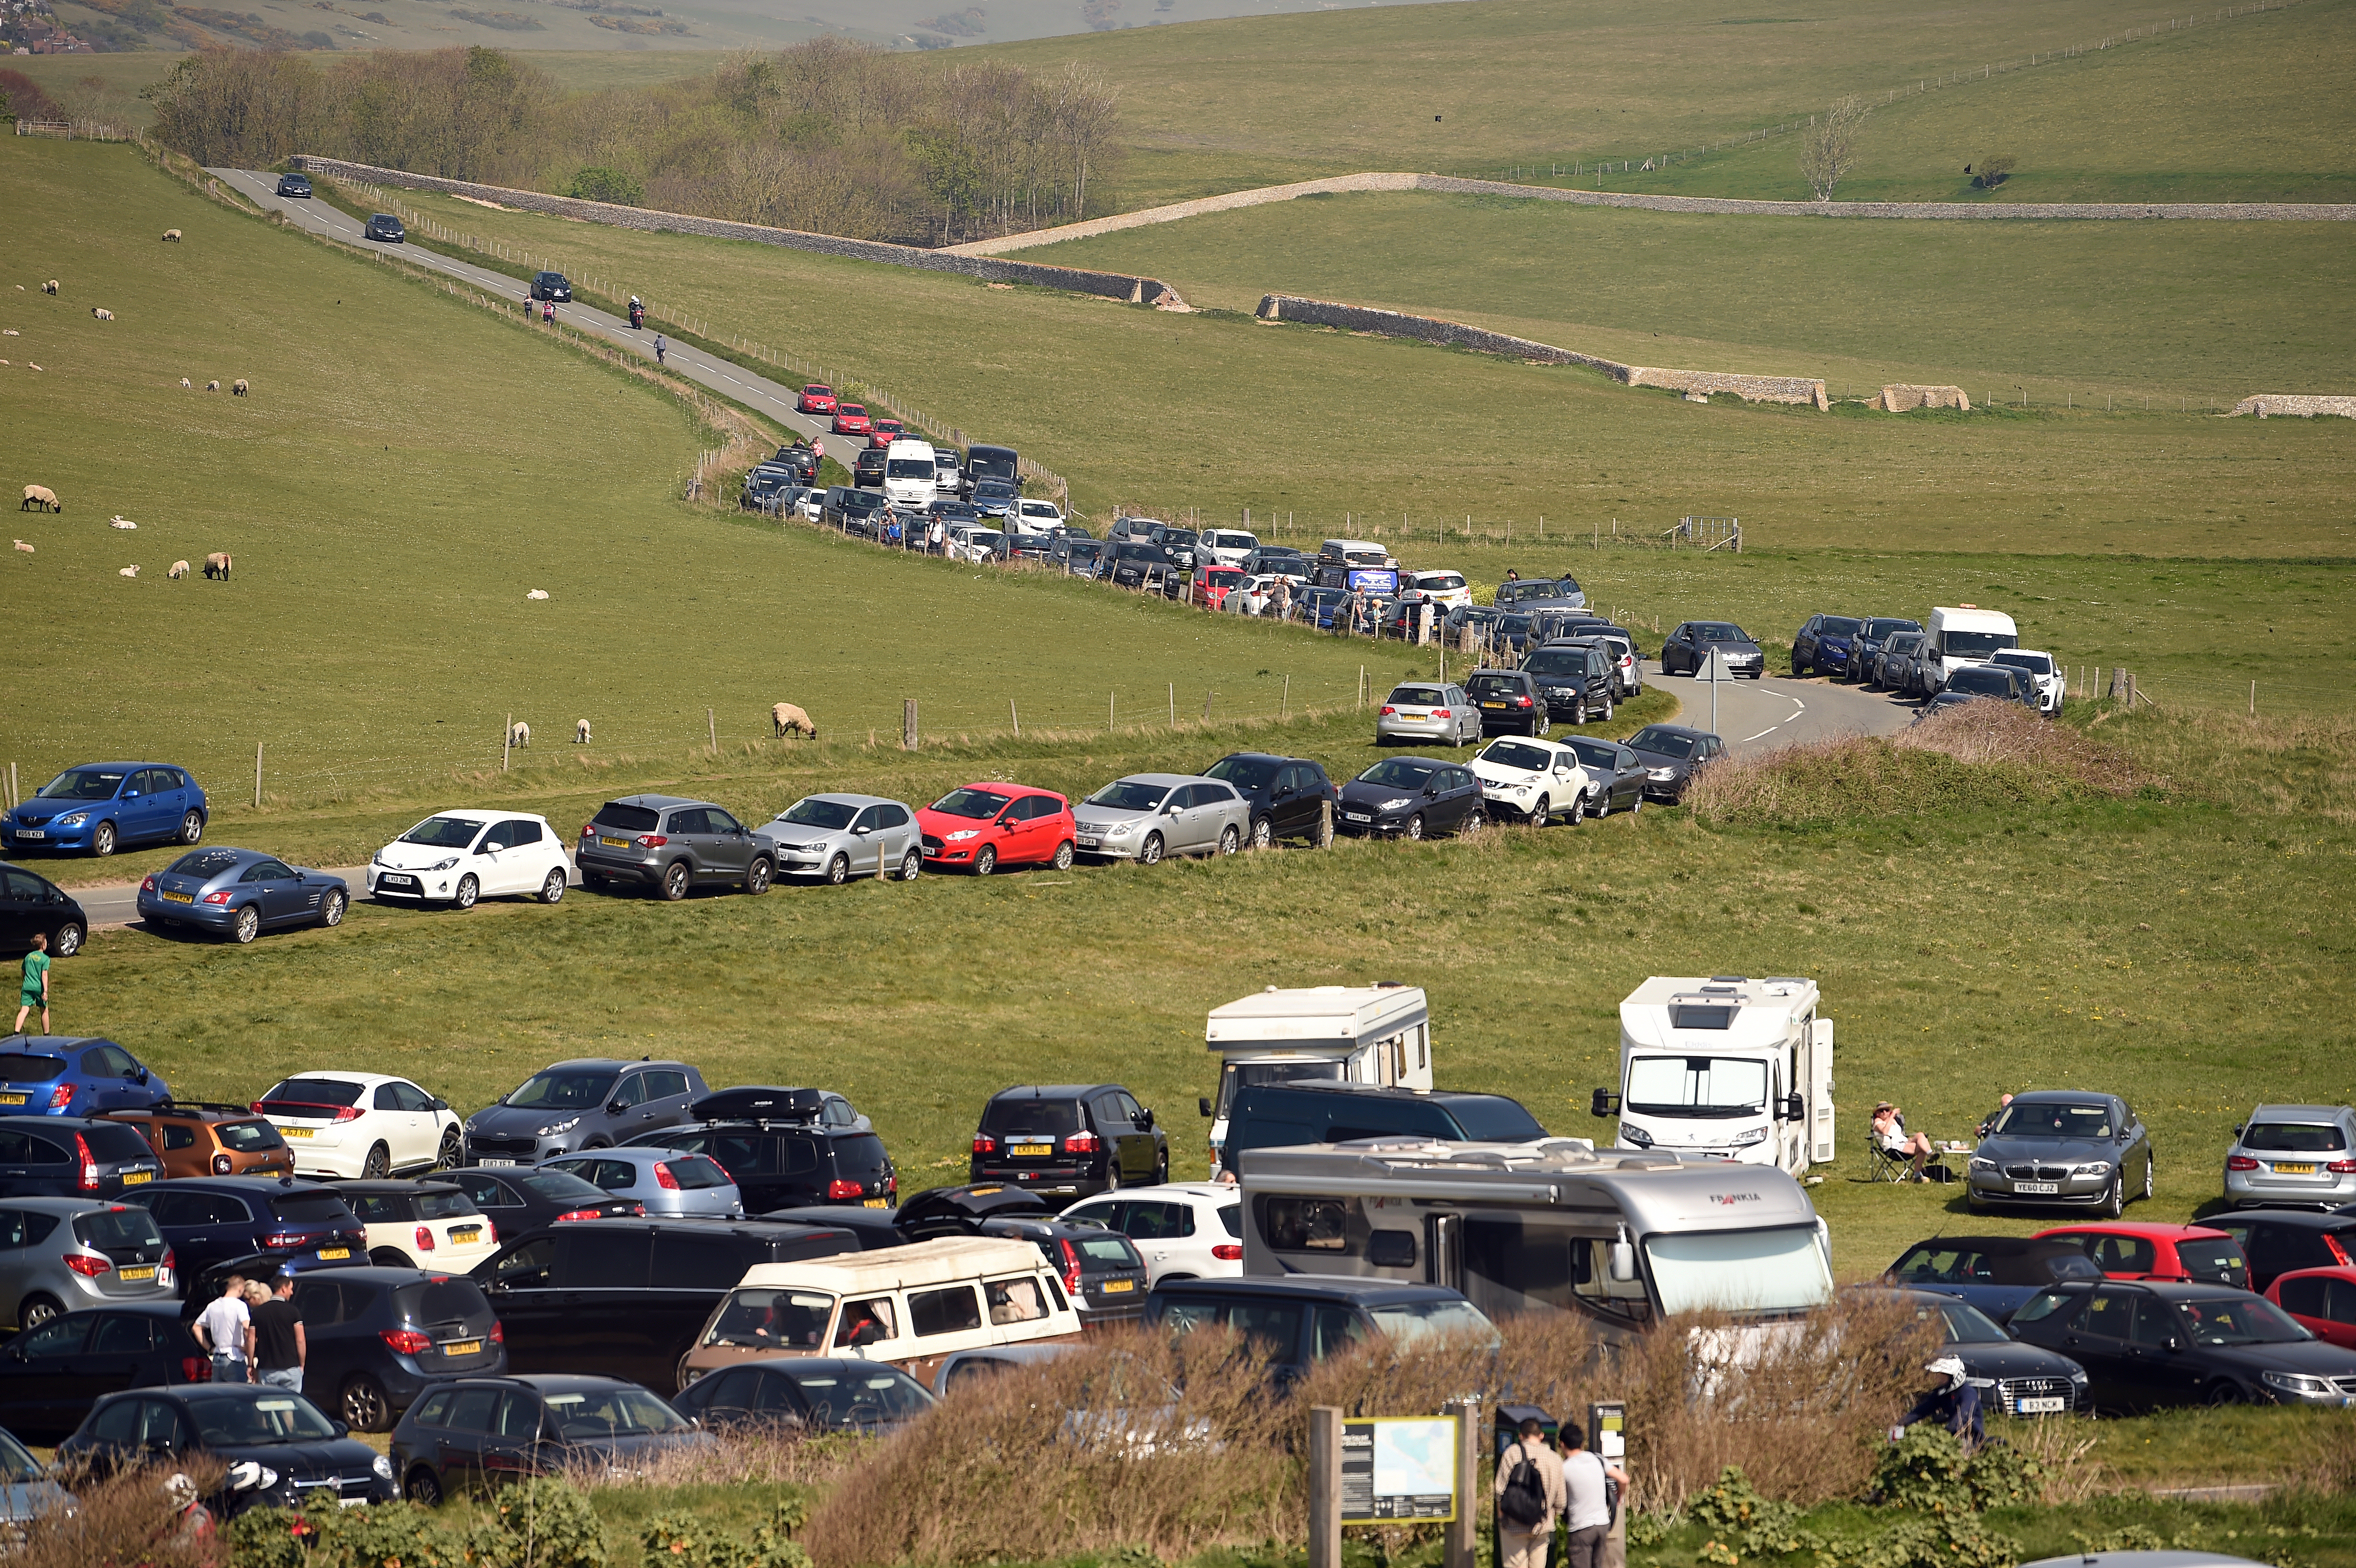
(1530, 1498)
(660, 347)
(280, 1347)
(1588, 1517)
(222, 1329)
(34, 992)
(939, 533)
(548, 311)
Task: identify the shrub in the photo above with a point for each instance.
(1992, 171)
(606, 184)
(123, 1518)
(1928, 1471)
(543, 1523)
(689, 1542)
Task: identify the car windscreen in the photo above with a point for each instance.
(247, 1137)
(907, 468)
(1696, 1086)
(1556, 661)
(561, 1090)
(976, 803)
(839, 1398)
(281, 1418)
(2219, 1258)
(108, 1227)
(1412, 1322)
(559, 1187)
(1246, 1075)
(444, 832)
(1718, 632)
(626, 819)
(1961, 645)
(1493, 685)
(309, 1096)
(82, 784)
(1967, 1325)
(1882, 627)
(2287, 1137)
(860, 1153)
(1025, 1113)
(1783, 1269)
(986, 464)
(445, 1206)
(2035, 664)
(1837, 626)
(16, 1067)
(1416, 696)
(18, 1465)
(1981, 681)
(772, 1319)
(993, 490)
(2238, 1320)
(1519, 754)
(1492, 1118)
(312, 1209)
(204, 863)
(1244, 773)
(833, 816)
(608, 1412)
(1398, 773)
(444, 1300)
(1127, 794)
(2048, 1119)
(1596, 754)
(1661, 742)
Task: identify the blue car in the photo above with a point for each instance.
(992, 498)
(209, 1220)
(67, 1075)
(241, 893)
(1319, 606)
(100, 807)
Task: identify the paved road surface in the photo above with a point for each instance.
(1767, 714)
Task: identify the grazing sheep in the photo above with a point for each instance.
(212, 386)
(217, 565)
(237, 387)
(521, 735)
(22, 546)
(50, 287)
(102, 314)
(179, 569)
(39, 497)
(580, 732)
(185, 382)
(128, 571)
(537, 594)
(172, 236)
(789, 719)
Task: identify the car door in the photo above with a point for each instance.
(1287, 801)
(690, 828)
(2097, 1339)
(2154, 1375)
(114, 1080)
(869, 849)
(22, 896)
(423, 1125)
(14, 1254)
(896, 829)
(665, 1097)
(398, 1127)
(283, 898)
(460, 1441)
(1119, 1130)
(731, 844)
(1460, 792)
(139, 814)
(119, 1354)
(37, 1388)
(508, 1450)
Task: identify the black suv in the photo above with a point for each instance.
(867, 468)
(1177, 543)
(1277, 1115)
(73, 1157)
(1289, 796)
(775, 1145)
(210, 1219)
(376, 1339)
(1127, 563)
(1509, 701)
(854, 511)
(1999, 681)
(801, 460)
(1069, 1141)
(551, 286)
(50, 1375)
(1575, 676)
(672, 844)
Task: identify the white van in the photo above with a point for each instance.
(1963, 635)
(911, 479)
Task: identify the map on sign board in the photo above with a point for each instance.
(1398, 1467)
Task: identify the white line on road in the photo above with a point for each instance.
(1798, 708)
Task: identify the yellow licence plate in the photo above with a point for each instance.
(294, 1132)
(327, 1252)
(1492, 705)
(1115, 1287)
(464, 1235)
(180, 898)
(2281, 1169)
(462, 1347)
(613, 843)
(12, 1099)
(136, 1177)
(1030, 1151)
(879, 1203)
(138, 1274)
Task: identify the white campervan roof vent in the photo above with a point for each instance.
(1732, 980)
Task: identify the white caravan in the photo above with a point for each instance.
(1341, 1034)
(1728, 1067)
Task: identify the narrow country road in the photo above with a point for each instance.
(1773, 712)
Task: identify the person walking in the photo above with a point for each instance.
(222, 1329)
(34, 992)
(1587, 1518)
(280, 1346)
(660, 348)
(1530, 1498)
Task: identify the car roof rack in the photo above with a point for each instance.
(759, 1102)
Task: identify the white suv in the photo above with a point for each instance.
(2043, 675)
(361, 1125)
(458, 857)
(1228, 547)
(1446, 588)
(1183, 1230)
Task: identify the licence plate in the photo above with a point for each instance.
(613, 843)
(12, 1099)
(2050, 1405)
(1356, 816)
(499, 1162)
(32, 833)
(2040, 1189)
(878, 1203)
(464, 1235)
(295, 1132)
(2294, 1170)
(136, 1274)
(137, 1177)
(391, 880)
(326, 1253)
(475, 1348)
(1086, 843)
(1496, 705)
(1030, 1151)
(179, 898)
(1115, 1287)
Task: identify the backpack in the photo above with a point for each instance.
(1523, 1500)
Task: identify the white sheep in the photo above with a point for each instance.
(10, 331)
(39, 497)
(237, 387)
(217, 565)
(172, 236)
(185, 382)
(128, 571)
(103, 313)
(521, 735)
(580, 732)
(50, 287)
(212, 386)
(24, 547)
(120, 521)
(789, 719)
(537, 594)
(179, 569)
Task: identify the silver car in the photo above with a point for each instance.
(835, 837)
(1147, 815)
(670, 1183)
(60, 1254)
(2293, 1156)
(1428, 713)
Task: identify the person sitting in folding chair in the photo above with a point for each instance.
(1890, 1137)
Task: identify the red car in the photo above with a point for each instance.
(984, 826)
(2322, 1300)
(1212, 582)
(815, 399)
(850, 419)
(884, 430)
(2126, 1251)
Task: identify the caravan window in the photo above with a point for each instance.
(1958, 645)
(1696, 1086)
(1298, 1224)
(1246, 1073)
(1780, 1270)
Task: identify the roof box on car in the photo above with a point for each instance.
(760, 1102)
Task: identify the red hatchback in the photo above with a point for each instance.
(984, 826)
(815, 399)
(884, 430)
(1212, 582)
(2192, 1253)
(2322, 1300)
(850, 419)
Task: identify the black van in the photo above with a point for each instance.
(625, 1298)
(1304, 1319)
(1283, 1116)
(990, 463)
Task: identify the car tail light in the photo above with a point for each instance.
(490, 1234)
(2337, 1249)
(664, 1178)
(196, 1370)
(86, 1265)
(171, 1261)
(588, 830)
(984, 1144)
(255, 1107)
(498, 1335)
(2342, 1168)
(1443, 713)
(61, 1096)
(348, 1114)
(1228, 1252)
(284, 1241)
(2240, 1162)
(639, 1210)
(222, 897)
(1522, 702)
(580, 1214)
(1388, 710)
(221, 1165)
(1084, 1143)
(147, 885)
(651, 840)
(1071, 1269)
(838, 1188)
(407, 1341)
(424, 1238)
(89, 1182)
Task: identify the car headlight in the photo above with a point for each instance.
(2077, 1374)
(1744, 1140)
(1120, 830)
(382, 1466)
(443, 865)
(1401, 804)
(1636, 1135)
(76, 821)
(962, 833)
(1979, 1164)
(1660, 775)
(2298, 1383)
(565, 1126)
(2096, 1167)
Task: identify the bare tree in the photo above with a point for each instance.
(1829, 149)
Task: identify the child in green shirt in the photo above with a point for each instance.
(36, 988)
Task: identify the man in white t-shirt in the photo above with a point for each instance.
(1588, 1519)
(222, 1329)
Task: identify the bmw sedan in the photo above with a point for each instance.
(385, 228)
(1412, 797)
(2063, 1149)
(97, 807)
(240, 893)
(294, 185)
(1692, 643)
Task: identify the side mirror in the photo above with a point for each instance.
(1624, 1261)
(1202, 1103)
(440, 1103)
(1796, 1108)
(342, 1427)
(1605, 1103)
(139, 1075)
(2174, 1343)
(861, 830)
(1145, 1117)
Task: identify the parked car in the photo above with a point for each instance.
(74, 1075)
(98, 807)
(378, 1338)
(976, 546)
(666, 1182)
(817, 398)
(31, 904)
(2287, 1156)
(2062, 1148)
(2021, 1379)
(299, 1449)
(834, 837)
(194, 1137)
(1994, 1274)
(987, 464)
(61, 1254)
(1445, 588)
(1176, 543)
(1509, 700)
(1031, 516)
(850, 419)
(1412, 797)
(1416, 711)
(2322, 1300)
(241, 893)
(1228, 547)
(547, 285)
(785, 1155)
(1578, 678)
(517, 1201)
(1526, 592)
(2152, 1344)
(2125, 1250)
(1671, 755)
(1302, 1319)
(2046, 679)
(213, 1218)
(1826, 644)
(1278, 560)
(1185, 1230)
(362, 1125)
(1692, 643)
(457, 857)
(948, 469)
(50, 1375)
(1069, 1141)
(1269, 1115)
(294, 185)
(1993, 681)
(2283, 1240)
(1893, 667)
(1941, 702)
(1010, 548)
(1535, 780)
(1145, 816)
(883, 430)
(385, 228)
(1100, 1271)
(588, 1103)
(480, 1433)
(1212, 584)
(798, 460)
(420, 1224)
(1130, 563)
(993, 499)
(72, 1157)
(1078, 557)
(1618, 779)
(805, 1394)
(672, 844)
(1288, 796)
(986, 826)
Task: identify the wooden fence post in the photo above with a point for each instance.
(908, 724)
(257, 772)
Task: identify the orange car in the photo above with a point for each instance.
(194, 1137)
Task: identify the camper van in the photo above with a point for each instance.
(1341, 1034)
(1964, 635)
(910, 476)
(1726, 1067)
(912, 1307)
(1559, 1225)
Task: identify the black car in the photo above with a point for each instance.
(1076, 557)
(1274, 1116)
(1509, 700)
(2280, 1241)
(1177, 543)
(627, 1297)
(485, 1432)
(376, 1339)
(1578, 677)
(1826, 645)
(74, 1157)
(1130, 563)
(763, 484)
(867, 468)
(50, 1375)
(2001, 682)
(2152, 1344)
(1301, 1320)
(1278, 560)
(1012, 546)
(1873, 636)
(1691, 644)
(1941, 702)
(799, 461)
(2021, 1378)
(1069, 1141)
(856, 512)
(1289, 796)
(990, 466)
(385, 227)
(210, 1219)
(31, 903)
(1618, 777)
(551, 286)
(1896, 668)
(287, 1435)
(517, 1201)
(2062, 1149)
(1410, 797)
(671, 845)
(776, 1146)
(806, 1393)
(1102, 1271)
(294, 185)
(1994, 1274)
(1670, 753)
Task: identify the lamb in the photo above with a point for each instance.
(50, 287)
(102, 314)
(212, 386)
(24, 547)
(237, 387)
(120, 521)
(179, 569)
(537, 594)
(39, 497)
(521, 735)
(171, 236)
(580, 732)
(128, 571)
(217, 565)
(789, 719)
(185, 382)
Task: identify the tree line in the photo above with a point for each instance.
(829, 137)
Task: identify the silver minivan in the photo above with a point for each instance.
(60, 1254)
(2293, 1156)
(1147, 815)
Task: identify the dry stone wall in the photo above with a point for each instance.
(2298, 405)
(1898, 400)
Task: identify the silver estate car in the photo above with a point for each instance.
(667, 1181)
(60, 1254)
(838, 837)
(1147, 815)
(1428, 713)
(2292, 1157)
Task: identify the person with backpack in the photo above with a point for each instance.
(1595, 1487)
(1530, 1498)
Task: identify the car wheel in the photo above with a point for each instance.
(1414, 828)
(36, 1310)
(1608, 706)
(1542, 726)
(423, 1487)
(1150, 852)
(1799, 666)
(248, 925)
(1262, 835)
(1474, 820)
(1112, 1175)
(365, 1406)
(2116, 1203)
(1230, 840)
(1576, 812)
(1542, 812)
(192, 828)
(101, 840)
(66, 941)
(1637, 804)
(378, 1164)
(838, 870)
(390, 1257)
(2225, 1392)
(675, 880)
(1064, 854)
(2149, 1162)
(469, 890)
(1601, 803)
(757, 875)
(1578, 713)
(553, 889)
(452, 1151)
(987, 861)
(331, 909)
(912, 865)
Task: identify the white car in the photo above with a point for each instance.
(458, 857)
(971, 545)
(947, 470)
(1538, 781)
(420, 1224)
(2042, 673)
(361, 1125)
(1183, 1230)
(1228, 547)
(1447, 589)
(811, 506)
(1035, 518)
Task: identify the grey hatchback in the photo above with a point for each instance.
(672, 844)
(838, 837)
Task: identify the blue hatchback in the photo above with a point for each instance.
(99, 807)
(240, 893)
(209, 1220)
(70, 1075)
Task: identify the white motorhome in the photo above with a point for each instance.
(1726, 1067)
(1342, 1034)
(911, 479)
(1966, 633)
